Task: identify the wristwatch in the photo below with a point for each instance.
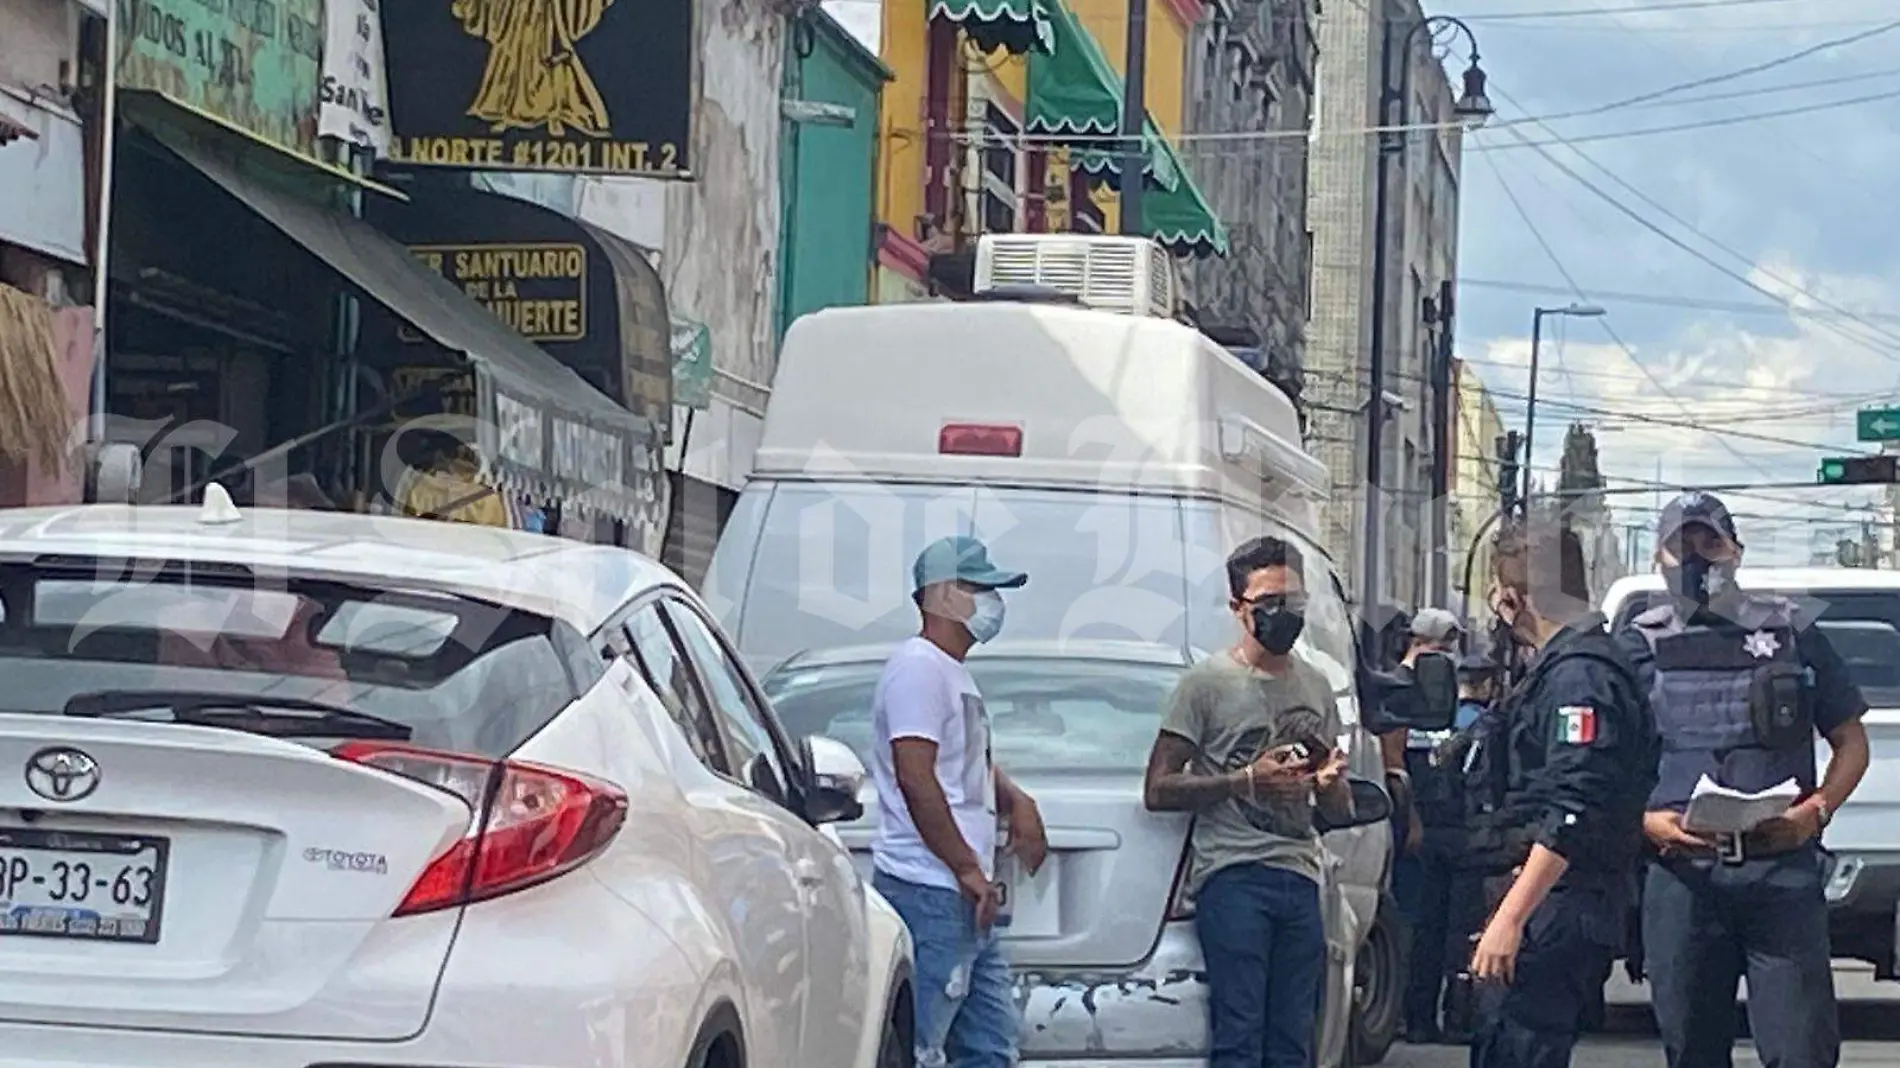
(1821, 807)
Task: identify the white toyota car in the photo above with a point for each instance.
(283, 789)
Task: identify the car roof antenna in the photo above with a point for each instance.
(218, 509)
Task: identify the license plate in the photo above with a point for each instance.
(85, 887)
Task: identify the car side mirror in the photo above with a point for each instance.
(1423, 697)
(835, 776)
(1370, 805)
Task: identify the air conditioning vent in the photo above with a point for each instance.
(1129, 275)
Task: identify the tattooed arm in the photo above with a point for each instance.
(1173, 786)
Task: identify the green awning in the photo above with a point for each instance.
(1074, 93)
(1182, 220)
(1016, 26)
(1179, 218)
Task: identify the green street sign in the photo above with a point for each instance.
(1859, 470)
(1878, 424)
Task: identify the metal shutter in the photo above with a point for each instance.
(699, 512)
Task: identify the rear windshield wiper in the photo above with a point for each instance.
(293, 717)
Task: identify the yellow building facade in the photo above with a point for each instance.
(1474, 481)
(1003, 179)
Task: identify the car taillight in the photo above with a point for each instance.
(1180, 905)
(980, 439)
(540, 822)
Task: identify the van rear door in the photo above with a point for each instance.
(1101, 565)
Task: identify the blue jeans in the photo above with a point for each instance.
(1264, 942)
(1706, 924)
(966, 1009)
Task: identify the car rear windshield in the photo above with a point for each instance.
(1046, 714)
(462, 674)
(1862, 625)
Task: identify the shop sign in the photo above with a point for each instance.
(692, 364)
(578, 86)
(545, 441)
(593, 302)
(354, 95)
(540, 290)
(252, 63)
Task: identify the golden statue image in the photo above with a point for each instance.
(534, 77)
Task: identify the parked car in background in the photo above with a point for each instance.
(395, 792)
(1859, 611)
(1108, 964)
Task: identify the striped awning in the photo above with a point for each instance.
(1074, 93)
(1015, 26)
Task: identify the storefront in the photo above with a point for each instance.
(262, 332)
(226, 352)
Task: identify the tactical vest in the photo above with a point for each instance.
(1732, 700)
(1500, 815)
(1435, 761)
(1498, 836)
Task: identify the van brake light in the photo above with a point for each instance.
(980, 439)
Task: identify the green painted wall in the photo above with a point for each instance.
(827, 174)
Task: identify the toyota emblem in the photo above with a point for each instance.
(62, 774)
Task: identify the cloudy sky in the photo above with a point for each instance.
(1747, 250)
(1748, 263)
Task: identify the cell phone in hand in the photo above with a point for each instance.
(1311, 752)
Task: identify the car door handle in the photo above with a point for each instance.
(808, 872)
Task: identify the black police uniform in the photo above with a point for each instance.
(1739, 696)
(1567, 762)
(1442, 912)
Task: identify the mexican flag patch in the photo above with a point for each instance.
(1577, 725)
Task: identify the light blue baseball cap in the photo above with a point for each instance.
(961, 558)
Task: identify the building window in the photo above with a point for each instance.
(1002, 156)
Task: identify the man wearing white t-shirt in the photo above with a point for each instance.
(940, 798)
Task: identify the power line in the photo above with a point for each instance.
(1609, 330)
(1683, 127)
(1779, 310)
(1751, 69)
(1698, 254)
(1600, 12)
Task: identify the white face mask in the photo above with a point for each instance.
(986, 619)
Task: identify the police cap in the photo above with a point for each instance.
(1695, 509)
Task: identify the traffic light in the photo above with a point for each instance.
(1510, 473)
(1859, 470)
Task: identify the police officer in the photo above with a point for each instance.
(1441, 919)
(1562, 776)
(1740, 687)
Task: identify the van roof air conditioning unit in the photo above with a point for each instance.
(1129, 275)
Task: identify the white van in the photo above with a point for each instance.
(1859, 611)
(1117, 459)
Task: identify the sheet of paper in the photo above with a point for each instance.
(1716, 809)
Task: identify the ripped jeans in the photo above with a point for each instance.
(966, 1009)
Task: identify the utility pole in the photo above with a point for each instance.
(1473, 107)
(1134, 154)
(1441, 445)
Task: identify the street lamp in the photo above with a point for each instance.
(1473, 106)
(1573, 311)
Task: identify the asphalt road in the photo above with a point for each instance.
(1870, 1015)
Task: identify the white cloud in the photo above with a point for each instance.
(1801, 200)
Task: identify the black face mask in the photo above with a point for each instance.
(1699, 579)
(1276, 629)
